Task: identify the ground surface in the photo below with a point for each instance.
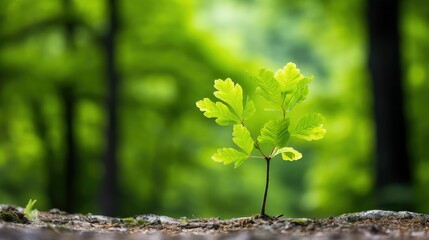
(55, 224)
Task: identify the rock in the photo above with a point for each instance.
(380, 214)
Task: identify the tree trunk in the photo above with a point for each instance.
(55, 184)
(393, 174)
(69, 23)
(109, 188)
(69, 104)
(71, 162)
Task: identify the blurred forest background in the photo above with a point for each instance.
(97, 105)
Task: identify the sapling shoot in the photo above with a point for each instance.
(282, 92)
(29, 212)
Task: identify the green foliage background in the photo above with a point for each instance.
(169, 54)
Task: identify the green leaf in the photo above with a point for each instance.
(239, 162)
(275, 132)
(288, 77)
(289, 154)
(231, 94)
(299, 94)
(219, 111)
(29, 212)
(249, 110)
(229, 155)
(268, 87)
(243, 139)
(310, 127)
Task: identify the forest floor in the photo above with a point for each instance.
(55, 224)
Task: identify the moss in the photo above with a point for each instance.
(132, 222)
(13, 215)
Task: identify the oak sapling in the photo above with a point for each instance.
(282, 91)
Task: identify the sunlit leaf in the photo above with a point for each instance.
(268, 87)
(239, 162)
(299, 94)
(288, 77)
(230, 110)
(231, 94)
(249, 110)
(289, 154)
(275, 132)
(310, 127)
(242, 138)
(219, 111)
(229, 155)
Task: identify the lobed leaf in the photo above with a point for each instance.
(243, 139)
(231, 94)
(239, 162)
(219, 111)
(268, 87)
(288, 77)
(229, 155)
(310, 127)
(249, 110)
(275, 132)
(299, 94)
(288, 154)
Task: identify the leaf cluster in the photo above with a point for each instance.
(282, 90)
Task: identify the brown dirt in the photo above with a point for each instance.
(56, 224)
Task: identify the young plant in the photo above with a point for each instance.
(29, 212)
(282, 91)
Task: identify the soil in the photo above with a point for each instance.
(56, 224)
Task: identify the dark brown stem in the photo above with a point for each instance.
(267, 182)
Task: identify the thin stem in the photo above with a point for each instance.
(267, 182)
(259, 149)
(272, 152)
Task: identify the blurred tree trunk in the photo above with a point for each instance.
(69, 104)
(55, 185)
(69, 23)
(71, 162)
(393, 174)
(109, 188)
